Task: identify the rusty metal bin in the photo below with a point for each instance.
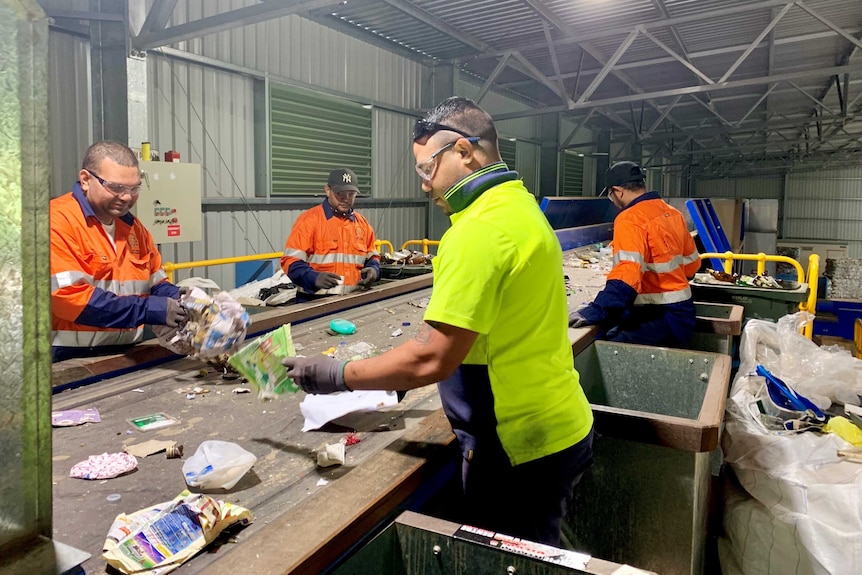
(658, 416)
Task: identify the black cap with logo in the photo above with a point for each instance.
(342, 180)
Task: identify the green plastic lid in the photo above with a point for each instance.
(342, 326)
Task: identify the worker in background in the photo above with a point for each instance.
(107, 279)
(494, 337)
(646, 299)
(330, 249)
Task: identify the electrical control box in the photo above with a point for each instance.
(170, 201)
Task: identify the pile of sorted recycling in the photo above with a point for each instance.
(406, 257)
(712, 276)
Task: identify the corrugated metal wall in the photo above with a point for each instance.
(70, 109)
(393, 157)
(826, 205)
(765, 187)
(301, 50)
(529, 165)
(208, 116)
(583, 135)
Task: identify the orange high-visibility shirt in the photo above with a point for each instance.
(100, 295)
(329, 243)
(654, 252)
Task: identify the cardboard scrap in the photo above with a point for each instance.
(148, 447)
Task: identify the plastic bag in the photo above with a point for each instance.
(824, 375)
(217, 325)
(799, 511)
(217, 465)
(259, 362)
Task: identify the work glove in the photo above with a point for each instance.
(184, 290)
(577, 320)
(326, 280)
(369, 276)
(317, 375)
(176, 315)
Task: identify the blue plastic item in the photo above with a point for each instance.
(785, 398)
(708, 228)
(342, 326)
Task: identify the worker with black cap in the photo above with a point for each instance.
(646, 299)
(330, 249)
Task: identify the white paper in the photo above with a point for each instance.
(319, 410)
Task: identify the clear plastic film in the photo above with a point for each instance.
(798, 507)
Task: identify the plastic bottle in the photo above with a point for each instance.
(341, 351)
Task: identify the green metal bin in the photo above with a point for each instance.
(658, 415)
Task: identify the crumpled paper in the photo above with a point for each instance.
(104, 466)
(217, 325)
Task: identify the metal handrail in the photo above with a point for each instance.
(379, 244)
(424, 242)
(810, 305)
(171, 267)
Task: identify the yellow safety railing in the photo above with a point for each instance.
(810, 305)
(380, 243)
(171, 267)
(857, 337)
(425, 243)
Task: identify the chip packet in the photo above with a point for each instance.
(260, 363)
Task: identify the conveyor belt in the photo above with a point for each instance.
(285, 474)
(74, 372)
(300, 526)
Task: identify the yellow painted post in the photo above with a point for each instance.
(728, 262)
(761, 263)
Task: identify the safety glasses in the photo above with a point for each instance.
(427, 168)
(423, 128)
(116, 189)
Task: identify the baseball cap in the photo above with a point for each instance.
(622, 173)
(342, 180)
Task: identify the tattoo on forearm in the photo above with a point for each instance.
(424, 335)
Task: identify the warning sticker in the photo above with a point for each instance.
(173, 231)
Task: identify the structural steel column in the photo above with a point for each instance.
(110, 78)
(603, 157)
(550, 169)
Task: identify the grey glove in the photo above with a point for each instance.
(326, 280)
(577, 320)
(369, 276)
(317, 375)
(184, 290)
(176, 315)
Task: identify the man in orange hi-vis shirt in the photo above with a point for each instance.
(330, 249)
(107, 279)
(647, 299)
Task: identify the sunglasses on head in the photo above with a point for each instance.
(424, 128)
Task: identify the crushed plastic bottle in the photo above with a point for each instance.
(341, 352)
(353, 351)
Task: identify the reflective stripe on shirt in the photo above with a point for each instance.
(337, 259)
(663, 298)
(66, 338)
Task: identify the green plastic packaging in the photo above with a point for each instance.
(260, 363)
